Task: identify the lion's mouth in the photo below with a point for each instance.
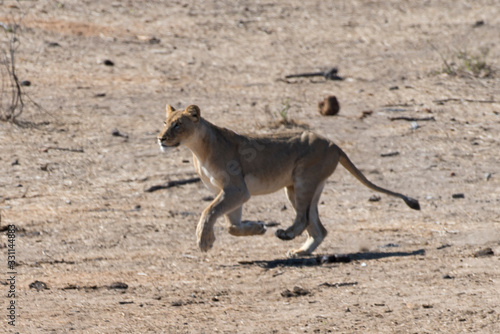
(164, 147)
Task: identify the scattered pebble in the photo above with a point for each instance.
(297, 291)
(487, 176)
(329, 106)
(118, 286)
(478, 23)
(374, 198)
(25, 83)
(117, 133)
(458, 195)
(447, 276)
(53, 45)
(394, 88)
(414, 125)
(108, 62)
(15, 163)
(484, 252)
(365, 114)
(390, 245)
(363, 264)
(38, 285)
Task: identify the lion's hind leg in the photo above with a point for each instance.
(240, 228)
(316, 232)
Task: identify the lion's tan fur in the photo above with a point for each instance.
(236, 167)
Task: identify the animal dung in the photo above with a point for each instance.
(329, 106)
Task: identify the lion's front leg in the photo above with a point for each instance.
(239, 228)
(228, 200)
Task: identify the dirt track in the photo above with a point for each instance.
(77, 192)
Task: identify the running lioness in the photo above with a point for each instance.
(236, 167)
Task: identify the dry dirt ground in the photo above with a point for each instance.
(73, 179)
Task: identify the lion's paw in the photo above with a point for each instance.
(205, 238)
(295, 253)
(283, 235)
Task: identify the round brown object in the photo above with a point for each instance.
(329, 106)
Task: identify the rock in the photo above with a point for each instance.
(484, 252)
(329, 106)
(457, 196)
(374, 198)
(38, 285)
(25, 83)
(117, 133)
(118, 286)
(297, 291)
(108, 62)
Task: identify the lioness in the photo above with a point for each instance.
(236, 167)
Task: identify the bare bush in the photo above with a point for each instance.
(11, 94)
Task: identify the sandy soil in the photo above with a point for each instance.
(76, 192)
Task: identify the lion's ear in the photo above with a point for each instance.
(193, 112)
(169, 109)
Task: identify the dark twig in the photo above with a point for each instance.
(412, 119)
(171, 184)
(329, 75)
(452, 99)
(76, 150)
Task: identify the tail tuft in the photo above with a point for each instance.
(412, 203)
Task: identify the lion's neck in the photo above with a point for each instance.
(203, 140)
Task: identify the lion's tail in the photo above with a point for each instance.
(344, 161)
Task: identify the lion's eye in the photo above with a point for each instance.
(176, 126)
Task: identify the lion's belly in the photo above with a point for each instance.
(266, 185)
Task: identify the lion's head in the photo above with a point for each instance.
(179, 126)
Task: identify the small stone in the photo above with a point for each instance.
(25, 83)
(484, 252)
(108, 62)
(298, 291)
(286, 293)
(448, 277)
(329, 106)
(478, 23)
(38, 285)
(118, 286)
(374, 198)
(15, 163)
(458, 196)
(117, 133)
